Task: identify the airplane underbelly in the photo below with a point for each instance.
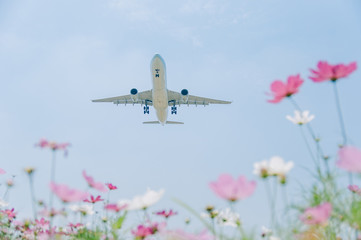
(160, 99)
(162, 115)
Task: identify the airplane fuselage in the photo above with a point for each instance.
(160, 92)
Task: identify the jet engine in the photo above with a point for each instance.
(134, 94)
(184, 95)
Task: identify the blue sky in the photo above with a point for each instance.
(56, 56)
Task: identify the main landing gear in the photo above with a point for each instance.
(174, 110)
(146, 109)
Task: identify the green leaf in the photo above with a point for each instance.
(118, 224)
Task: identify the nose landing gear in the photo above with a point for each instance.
(146, 109)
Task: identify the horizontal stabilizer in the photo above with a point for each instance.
(167, 122)
(151, 122)
(171, 122)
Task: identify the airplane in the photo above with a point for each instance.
(159, 96)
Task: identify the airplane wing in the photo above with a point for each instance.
(176, 98)
(140, 98)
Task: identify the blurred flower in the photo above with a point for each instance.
(210, 214)
(228, 218)
(143, 201)
(66, 194)
(280, 90)
(78, 225)
(46, 213)
(2, 171)
(144, 231)
(266, 232)
(354, 189)
(278, 167)
(93, 199)
(301, 118)
(85, 209)
(209, 208)
(232, 189)
(111, 186)
(182, 235)
(29, 170)
(115, 207)
(10, 213)
(43, 143)
(317, 215)
(42, 223)
(166, 214)
(327, 71)
(10, 182)
(3, 203)
(349, 158)
(261, 169)
(96, 185)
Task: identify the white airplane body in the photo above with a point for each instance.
(160, 97)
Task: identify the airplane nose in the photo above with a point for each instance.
(157, 56)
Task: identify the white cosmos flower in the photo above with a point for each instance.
(228, 218)
(143, 201)
(301, 118)
(84, 209)
(3, 203)
(277, 166)
(261, 169)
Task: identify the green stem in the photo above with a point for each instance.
(339, 111)
(310, 151)
(269, 200)
(32, 193)
(274, 202)
(52, 179)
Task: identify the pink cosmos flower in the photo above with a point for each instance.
(46, 213)
(111, 186)
(166, 214)
(66, 194)
(93, 199)
(78, 225)
(327, 71)
(10, 213)
(232, 189)
(2, 171)
(317, 215)
(142, 232)
(349, 158)
(42, 224)
(182, 235)
(280, 90)
(91, 182)
(115, 207)
(355, 189)
(43, 143)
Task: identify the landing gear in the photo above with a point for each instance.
(146, 109)
(174, 110)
